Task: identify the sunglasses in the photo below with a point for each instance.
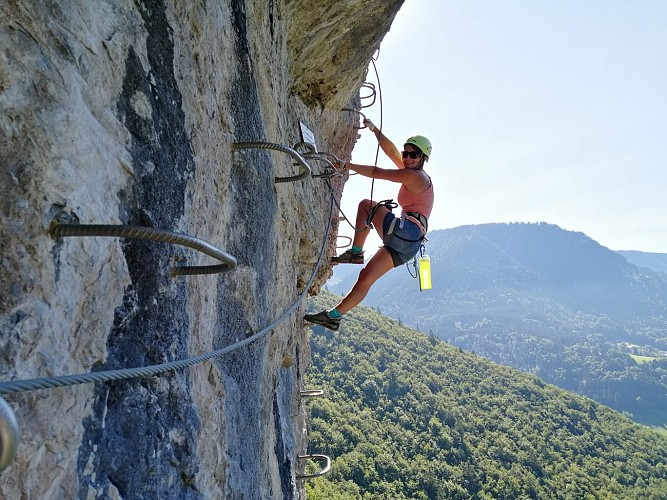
(411, 154)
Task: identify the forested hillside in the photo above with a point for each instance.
(547, 301)
(407, 416)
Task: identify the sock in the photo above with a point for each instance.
(356, 249)
(334, 314)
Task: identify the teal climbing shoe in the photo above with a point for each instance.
(323, 319)
(348, 257)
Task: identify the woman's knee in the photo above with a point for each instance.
(366, 205)
(365, 278)
(362, 275)
(379, 265)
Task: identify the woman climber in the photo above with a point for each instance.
(402, 236)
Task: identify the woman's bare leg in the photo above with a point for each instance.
(363, 211)
(379, 264)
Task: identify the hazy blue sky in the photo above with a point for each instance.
(538, 110)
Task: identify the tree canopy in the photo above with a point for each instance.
(408, 416)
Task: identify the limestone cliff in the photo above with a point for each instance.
(121, 112)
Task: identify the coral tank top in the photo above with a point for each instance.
(416, 202)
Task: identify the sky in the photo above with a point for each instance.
(538, 111)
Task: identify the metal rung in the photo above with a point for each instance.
(148, 233)
(317, 458)
(9, 435)
(346, 244)
(304, 167)
(372, 95)
(311, 393)
(363, 116)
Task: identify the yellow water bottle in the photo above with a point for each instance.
(424, 272)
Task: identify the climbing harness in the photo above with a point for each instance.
(390, 233)
(422, 266)
(390, 204)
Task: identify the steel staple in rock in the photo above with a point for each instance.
(316, 457)
(153, 234)
(305, 168)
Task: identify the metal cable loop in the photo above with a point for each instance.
(148, 233)
(304, 167)
(127, 373)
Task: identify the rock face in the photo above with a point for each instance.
(118, 112)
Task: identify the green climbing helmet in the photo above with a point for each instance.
(422, 143)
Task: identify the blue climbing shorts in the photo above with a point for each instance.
(403, 244)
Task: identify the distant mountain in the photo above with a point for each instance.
(405, 416)
(544, 300)
(654, 261)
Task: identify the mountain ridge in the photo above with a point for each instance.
(547, 301)
(656, 262)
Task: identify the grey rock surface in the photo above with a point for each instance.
(121, 112)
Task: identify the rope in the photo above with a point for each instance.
(377, 151)
(390, 204)
(127, 373)
(148, 233)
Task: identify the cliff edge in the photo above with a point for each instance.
(131, 114)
